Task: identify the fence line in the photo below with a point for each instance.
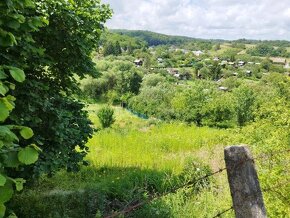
(264, 190)
(151, 198)
(155, 197)
(223, 212)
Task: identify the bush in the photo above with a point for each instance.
(106, 116)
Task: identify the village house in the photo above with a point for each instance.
(222, 88)
(241, 63)
(248, 73)
(160, 60)
(172, 71)
(198, 53)
(281, 61)
(138, 62)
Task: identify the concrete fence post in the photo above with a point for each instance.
(244, 184)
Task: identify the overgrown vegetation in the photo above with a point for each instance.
(106, 116)
(192, 97)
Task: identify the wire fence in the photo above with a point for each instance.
(133, 207)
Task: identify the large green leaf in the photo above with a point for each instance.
(11, 160)
(17, 74)
(13, 24)
(26, 132)
(7, 39)
(28, 155)
(3, 89)
(4, 111)
(3, 75)
(2, 210)
(6, 192)
(7, 135)
(2, 180)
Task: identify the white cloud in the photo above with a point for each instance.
(228, 19)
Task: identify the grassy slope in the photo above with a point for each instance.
(132, 152)
(134, 155)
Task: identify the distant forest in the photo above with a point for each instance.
(154, 39)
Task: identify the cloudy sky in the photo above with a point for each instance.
(223, 19)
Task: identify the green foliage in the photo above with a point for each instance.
(15, 38)
(266, 49)
(126, 43)
(112, 48)
(106, 116)
(118, 78)
(45, 100)
(245, 100)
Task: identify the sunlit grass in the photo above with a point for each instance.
(134, 153)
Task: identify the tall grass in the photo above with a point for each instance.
(135, 158)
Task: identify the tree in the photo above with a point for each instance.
(117, 49)
(16, 42)
(108, 49)
(245, 101)
(45, 101)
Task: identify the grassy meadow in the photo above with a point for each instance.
(133, 159)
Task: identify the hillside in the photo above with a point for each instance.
(153, 38)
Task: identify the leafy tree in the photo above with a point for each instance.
(152, 80)
(45, 101)
(16, 147)
(117, 49)
(219, 111)
(245, 101)
(108, 49)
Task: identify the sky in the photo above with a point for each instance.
(210, 19)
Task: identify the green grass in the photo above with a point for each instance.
(134, 158)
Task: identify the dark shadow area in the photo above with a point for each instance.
(119, 188)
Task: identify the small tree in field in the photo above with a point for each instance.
(106, 116)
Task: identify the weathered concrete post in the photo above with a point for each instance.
(244, 184)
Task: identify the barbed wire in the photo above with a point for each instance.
(131, 208)
(223, 212)
(264, 190)
(277, 186)
(271, 154)
(155, 197)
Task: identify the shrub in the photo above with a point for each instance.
(106, 116)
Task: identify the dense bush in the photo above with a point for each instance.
(106, 116)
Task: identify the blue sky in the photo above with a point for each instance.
(223, 19)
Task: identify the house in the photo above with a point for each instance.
(160, 60)
(198, 53)
(223, 63)
(177, 75)
(172, 71)
(241, 63)
(138, 62)
(216, 59)
(281, 61)
(222, 88)
(248, 73)
(235, 74)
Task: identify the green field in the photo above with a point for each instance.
(132, 159)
